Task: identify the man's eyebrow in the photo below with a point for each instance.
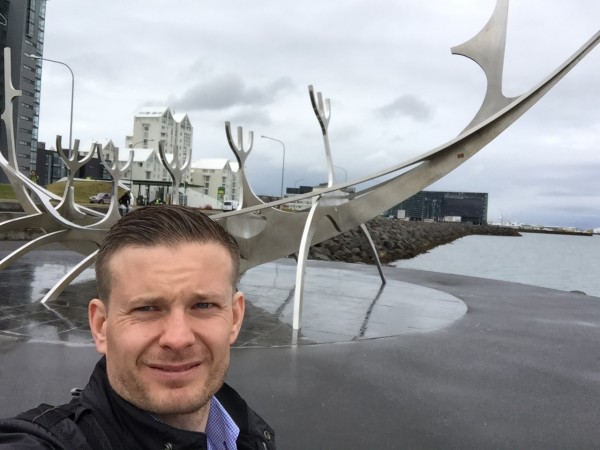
(204, 296)
(212, 296)
(146, 300)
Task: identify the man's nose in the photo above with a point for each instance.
(177, 332)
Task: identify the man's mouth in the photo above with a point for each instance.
(174, 368)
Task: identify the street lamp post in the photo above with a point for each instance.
(343, 170)
(72, 96)
(283, 162)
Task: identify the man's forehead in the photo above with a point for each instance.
(175, 247)
(130, 259)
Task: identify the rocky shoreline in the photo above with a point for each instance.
(397, 239)
(394, 239)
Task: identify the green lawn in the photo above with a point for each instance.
(6, 192)
(83, 189)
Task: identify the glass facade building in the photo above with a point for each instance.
(469, 207)
(22, 25)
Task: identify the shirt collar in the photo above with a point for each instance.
(221, 430)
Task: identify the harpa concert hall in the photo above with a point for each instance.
(466, 207)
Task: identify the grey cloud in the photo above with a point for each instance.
(407, 105)
(227, 91)
(251, 117)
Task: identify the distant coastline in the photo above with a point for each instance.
(555, 231)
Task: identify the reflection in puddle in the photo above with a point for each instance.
(340, 305)
(23, 285)
(47, 275)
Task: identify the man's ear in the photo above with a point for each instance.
(97, 318)
(238, 308)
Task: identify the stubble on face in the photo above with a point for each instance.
(180, 400)
(133, 357)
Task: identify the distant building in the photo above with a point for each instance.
(298, 204)
(145, 174)
(298, 190)
(217, 178)
(94, 168)
(49, 165)
(184, 135)
(438, 206)
(154, 124)
(108, 149)
(151, 125)
(51, 168)
(22, 25)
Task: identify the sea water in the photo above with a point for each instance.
(565, 262)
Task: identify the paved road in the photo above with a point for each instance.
(519, 370)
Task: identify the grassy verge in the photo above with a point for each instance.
(6, 192)
(83, 189)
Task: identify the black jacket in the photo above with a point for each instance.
(127, 427)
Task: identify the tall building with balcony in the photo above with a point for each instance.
(154, 124)
(151, 125)
(22, 29)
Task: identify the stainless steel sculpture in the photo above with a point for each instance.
(265, 232)
(175, 168)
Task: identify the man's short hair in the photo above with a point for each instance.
(168, 225)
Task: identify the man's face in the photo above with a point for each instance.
(167, 328)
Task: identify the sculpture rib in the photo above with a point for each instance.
(45, 199)
(30, 246)
(60, 286)
(175, 169)
(89, 242)
(305, 241)
(39, 220)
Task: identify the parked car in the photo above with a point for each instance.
(101, 197)
(230, 205)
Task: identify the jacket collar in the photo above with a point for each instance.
(129, 426)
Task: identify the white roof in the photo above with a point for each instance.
(179, 117)
(152, 111)
(210, 163)
(85, 147)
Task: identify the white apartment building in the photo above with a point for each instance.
(217, 178)
(151, 125)
(146, 166)
(154, 124)
(108, 149)
(184, 134)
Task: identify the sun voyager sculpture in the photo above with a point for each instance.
(263, 230)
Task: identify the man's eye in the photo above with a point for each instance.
(202, 305)
(146, 308)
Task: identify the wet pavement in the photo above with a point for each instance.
(339, 304)
(519, 369)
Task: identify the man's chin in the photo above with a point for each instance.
(176, 405)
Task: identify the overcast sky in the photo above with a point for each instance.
(395, 88)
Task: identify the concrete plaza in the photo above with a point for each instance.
(428, 361)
